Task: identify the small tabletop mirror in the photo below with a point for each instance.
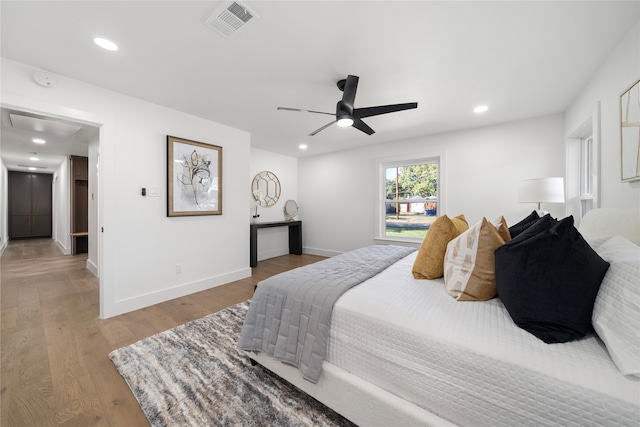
(290, 209)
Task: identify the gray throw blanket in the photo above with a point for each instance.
(290, 313)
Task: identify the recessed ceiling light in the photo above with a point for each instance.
(35, 159)
(480, 109)
(38, 140)
(105, 44)
(32, 169)
(302, 146)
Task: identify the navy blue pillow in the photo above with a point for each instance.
(518, 228)
(548, 280)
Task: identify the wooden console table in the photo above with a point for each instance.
(295, 238)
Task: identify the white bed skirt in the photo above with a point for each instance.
(358, 400)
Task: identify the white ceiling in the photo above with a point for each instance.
(522, 59)
(62, 138)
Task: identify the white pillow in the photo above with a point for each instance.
(595, 242)
(616, 312)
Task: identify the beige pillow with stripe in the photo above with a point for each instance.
(429, 262)
(469, 262)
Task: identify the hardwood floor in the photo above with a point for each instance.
(54, 349)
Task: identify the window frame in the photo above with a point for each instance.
(586, 166)
(588, 171)
(382, 165)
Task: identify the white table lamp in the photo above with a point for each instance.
(541, 190)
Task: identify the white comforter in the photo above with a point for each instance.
(468, 362)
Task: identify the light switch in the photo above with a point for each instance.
(153, 192)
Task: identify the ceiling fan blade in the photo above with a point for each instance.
(321, 129)
(382, 109)
(360, 125)
(350, 88)
(305, 111)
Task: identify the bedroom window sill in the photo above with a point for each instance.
(398, 241)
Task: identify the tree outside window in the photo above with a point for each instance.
(411, 198)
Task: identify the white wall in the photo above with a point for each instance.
(4, 199)
(483, 165)
(93, 225)
(273, 242)
(482, 168)
(140, 246)
(619, 71)
(61, 207)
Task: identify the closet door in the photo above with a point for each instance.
(41, 205)
(30, 198)
(20, 204)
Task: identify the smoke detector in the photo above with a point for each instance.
(44, 79)
(230, 17)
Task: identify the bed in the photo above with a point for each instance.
(401, 351)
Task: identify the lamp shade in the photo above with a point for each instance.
(541, 190)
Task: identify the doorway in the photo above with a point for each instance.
(61, 179)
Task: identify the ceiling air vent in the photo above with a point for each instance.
(230, 17)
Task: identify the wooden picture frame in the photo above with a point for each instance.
(194, 178)
(630, 133)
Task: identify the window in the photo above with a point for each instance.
(410, 199)
(586, 175)
(582, 168)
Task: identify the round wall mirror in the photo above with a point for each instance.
(265, 188)
(290, 209)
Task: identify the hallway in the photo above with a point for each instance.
(54, 349)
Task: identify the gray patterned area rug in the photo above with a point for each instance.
(193, 375)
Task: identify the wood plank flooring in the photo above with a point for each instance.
(54, 349)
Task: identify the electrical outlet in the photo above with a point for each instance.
(179, 268)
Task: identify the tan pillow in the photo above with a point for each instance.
(429, 263)
(469, 262)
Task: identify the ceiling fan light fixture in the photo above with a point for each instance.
(345, 122)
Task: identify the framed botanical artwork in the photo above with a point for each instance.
(194, 178)
(630, 132)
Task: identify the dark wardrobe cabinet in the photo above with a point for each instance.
(79, 204)
(29, 205)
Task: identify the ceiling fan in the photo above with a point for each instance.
(346, 115)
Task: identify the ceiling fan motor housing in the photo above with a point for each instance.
(343, 111)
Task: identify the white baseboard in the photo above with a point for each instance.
(272, 253)
(141, 301)
(92, 267)
(3, 246)
(65, 250)
(320, 252)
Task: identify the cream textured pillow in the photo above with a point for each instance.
(429, 263)
(469, 262)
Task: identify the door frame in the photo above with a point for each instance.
(104, 256)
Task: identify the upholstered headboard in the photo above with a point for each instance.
(612, 221)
